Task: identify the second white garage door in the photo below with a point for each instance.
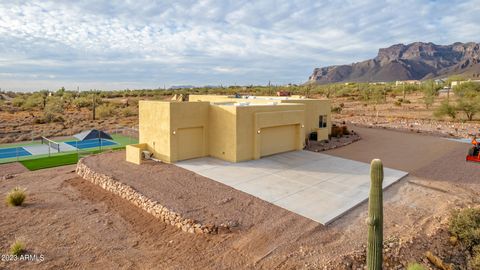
(278, 139)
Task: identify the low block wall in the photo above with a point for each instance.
(153, 207)
(134, 152)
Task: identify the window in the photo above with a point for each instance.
(322, 121)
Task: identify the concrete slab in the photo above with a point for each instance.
(43, 149)
(39, 149)
(65, 147)
(315, 185)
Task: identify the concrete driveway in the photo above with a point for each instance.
(317, 186)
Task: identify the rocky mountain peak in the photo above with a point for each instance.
(415, 61)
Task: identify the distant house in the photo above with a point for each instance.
(445, 91)
(453, 84)
(408, 82)
(440, 81)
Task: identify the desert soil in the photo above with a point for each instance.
(412, 116)
(76, 224)
(11, 169)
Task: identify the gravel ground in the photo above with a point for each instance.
(319, 146)
(78, 225)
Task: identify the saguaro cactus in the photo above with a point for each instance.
(375, 217)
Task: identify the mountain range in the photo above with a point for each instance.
(415, 61)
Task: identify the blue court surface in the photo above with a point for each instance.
(13, 152)
(90, 143)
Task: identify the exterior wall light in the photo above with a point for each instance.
(174, 132)
(303, 126)
(258, 131)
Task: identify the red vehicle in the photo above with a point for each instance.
(474, 151)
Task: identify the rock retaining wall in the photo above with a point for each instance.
(153, 207)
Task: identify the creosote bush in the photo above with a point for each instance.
(465, 225)
(475, 261)
(16, 196)
(105, 110)
(17, 248)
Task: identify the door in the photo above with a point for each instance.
(190, 143)
(278, 139)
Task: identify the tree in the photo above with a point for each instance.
(469, 106)
(430, 90)
(95, 102)
(60, 92)
(44, 94)
(468, 99)
(446, 109)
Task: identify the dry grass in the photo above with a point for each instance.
(17, 248)
(16, 196)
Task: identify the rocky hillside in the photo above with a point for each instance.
(414, 61)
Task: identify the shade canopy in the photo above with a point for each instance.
(92, 134)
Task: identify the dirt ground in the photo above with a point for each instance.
(412, 116)
(11, 169)
(75, 224)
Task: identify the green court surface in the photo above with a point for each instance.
(50, 162)
(59, 160)
(124, 140)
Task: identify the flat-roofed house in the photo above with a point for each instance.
(231, 128)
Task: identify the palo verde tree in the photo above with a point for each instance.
(430, 91)
(468, 102)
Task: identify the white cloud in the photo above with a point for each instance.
(149, 43)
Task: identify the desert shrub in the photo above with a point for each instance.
(397, 103)
(474, 262)
(336, 109)
(404, 100)
(465, 225)
(128, 111)
(16, 196)
(446, 109)
(35, 100)
(105, 110)
(415, 266)
(54, 105)
(17, 248)
(82, 102)
(18, 101)
(48, 117)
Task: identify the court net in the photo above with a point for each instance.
(51, 144)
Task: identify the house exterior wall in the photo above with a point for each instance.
(174, 131)
(248, 138)
(154, 128)
(184, 118)
(223, 132)
(313, 109)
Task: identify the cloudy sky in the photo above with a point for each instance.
(141, 44)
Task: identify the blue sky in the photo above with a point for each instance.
(148, 44)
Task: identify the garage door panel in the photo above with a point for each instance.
(278, 139)
(190, 143)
